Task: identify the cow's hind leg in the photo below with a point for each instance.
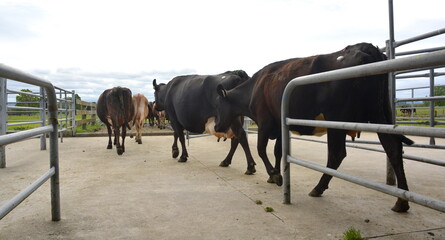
(109, 146)
(175, 150)
(139, 132)
(184, 154)
(124, 134)
(276, 176)
(336, 154)
(118, 145)
(393, 148)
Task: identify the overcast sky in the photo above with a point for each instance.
(89, 46)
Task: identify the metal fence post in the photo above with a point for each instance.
(3, 119)
(432, 103)
(73, 102)
(390, 50)
(390, 174)
(42, 118)
(246, 124)
(54, 162)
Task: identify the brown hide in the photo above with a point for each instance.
(141, 111)
(115, 110)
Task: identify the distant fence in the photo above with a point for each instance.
(87, 111)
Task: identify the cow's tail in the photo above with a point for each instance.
(405, 140)
(124, 109)
(386, 108)
(388, 114)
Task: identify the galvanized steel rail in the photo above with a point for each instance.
(414, 62)
(53, 173)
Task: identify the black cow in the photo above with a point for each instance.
(115, 109)
(152, 114)
(354, 100)
(189, 102)
(407, 111)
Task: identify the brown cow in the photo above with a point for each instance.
(159, 118)
(141, 111)
(115, 109)
(354, 100)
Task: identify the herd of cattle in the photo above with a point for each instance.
(217, 104)
(118, 109)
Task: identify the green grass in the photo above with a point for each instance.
(352, 234)
(36, 117)
(268, 209)
(89, 128)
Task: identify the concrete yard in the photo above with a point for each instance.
(145, 194)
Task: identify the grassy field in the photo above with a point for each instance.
(36, 117)
(420, 112)
(425, 111)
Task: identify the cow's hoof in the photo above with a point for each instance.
(250, 170)
(175, 152)
(140, 142)
(182, 159)
(109, 147)
(120, 151)
(315, 193)
(276, 178)
(224, 164)
(401, 206)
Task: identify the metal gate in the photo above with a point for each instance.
(51, 128)
(414, 62)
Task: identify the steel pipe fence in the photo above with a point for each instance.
(53, 173)
(66, 110)
(405, 156)
(425, 60)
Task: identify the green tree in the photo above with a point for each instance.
(25, 100)
(439, 91)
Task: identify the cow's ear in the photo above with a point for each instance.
(154, 84)
(221, 91)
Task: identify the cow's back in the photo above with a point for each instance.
(120, 105)
(351, 100)
(140, 103)
(190, 100)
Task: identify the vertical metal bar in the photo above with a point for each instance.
(432, 103)
(412, 103)
(60, 103)
(65, 105)
(285, 139)
(54, 152)
(3, 119)
(246, 124)
(55, 185)
(42, 118)
(73, 123)
(390, 49)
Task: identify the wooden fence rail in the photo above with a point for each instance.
(87, 109)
